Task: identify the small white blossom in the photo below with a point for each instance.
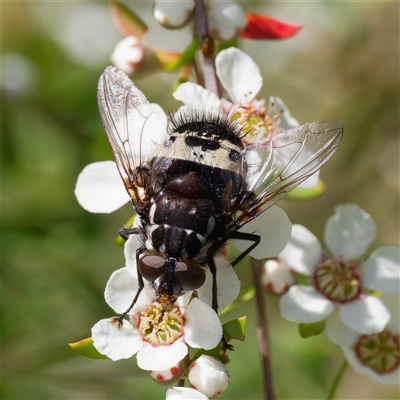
(341, 281)
(277, 277)
(173, 15)
(171, 375)
(128, 54)
(375, 355)
(209, 376)
(157, 335)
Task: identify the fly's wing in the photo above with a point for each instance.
(276, 166)
(134, 127)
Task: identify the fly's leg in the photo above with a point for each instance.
(245, 236)
(125, 232)
(211, 264)
(119, 320)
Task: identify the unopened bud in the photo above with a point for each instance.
(128, 54)
(172, 374)
(277, 277)
(172, 14)
(226, 19)
(209, 376)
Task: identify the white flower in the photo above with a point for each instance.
(226, 19)
(375, 355)
(277, 277)
(172, 374)
(342, 281)
(173, 15)
(159, 336)
(128, 54)
(209, 376)
(183, 393)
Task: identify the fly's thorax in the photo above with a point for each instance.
(211, 151)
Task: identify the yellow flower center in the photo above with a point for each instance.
(161, 326)
(380, 351)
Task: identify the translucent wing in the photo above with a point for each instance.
(134, 127)
(276, 166)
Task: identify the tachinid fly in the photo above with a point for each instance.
(195, 185)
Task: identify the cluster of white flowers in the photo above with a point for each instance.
(343, 290)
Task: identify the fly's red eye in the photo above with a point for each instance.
(189, 276)
(151, 267)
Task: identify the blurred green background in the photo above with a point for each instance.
(57, 257)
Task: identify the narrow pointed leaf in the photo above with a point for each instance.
(86, 348)
(235, 329)
(308, 330)
(127, 22)
(186, 56)
(261, 27)
(245, 294)
(304, 194)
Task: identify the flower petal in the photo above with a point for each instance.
(121, 289)
(158, 358)
(130, 247)
(303, 251)
(274, 227)
(116, 343)
(337, 332)
(203, 328)
(349, 232)
(391, 378)
(276, 107)
(99, 188)
(304, 304)
(311, 181)
(193, 95)
(382, 270)
(367, 315)
(261, 26)
(228, 285)
(182, 393)
(239, 75)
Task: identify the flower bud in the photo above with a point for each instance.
(173, 15)
(226, 20)
(128, 54)
(277, 277)
(209, 376)
(172, 374)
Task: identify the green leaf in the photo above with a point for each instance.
(235, 329)
(127, 22)
(186, 56)
(308, 330)
(120, 241)
(245, 294)
(85, 348)
(215, 352)
(179, 82)
(222, 45)
(304, 194)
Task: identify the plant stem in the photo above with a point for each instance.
(207, 47)
(336, 381)
(262, 331)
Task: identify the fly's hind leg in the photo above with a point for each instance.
(125, 232)
(211, 264)
(245, 236)
(119, 320)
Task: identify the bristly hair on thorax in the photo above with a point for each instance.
(207, 123)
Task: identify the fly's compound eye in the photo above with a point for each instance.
(152, 267)
(189, 275)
